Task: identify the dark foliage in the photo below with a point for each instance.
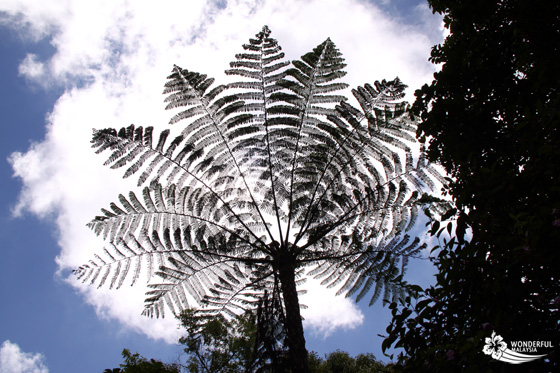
(341, 362)
(134, 363)
(491, 117)
(251, 342)
(220, 345)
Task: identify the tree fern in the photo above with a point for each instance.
(273, 178)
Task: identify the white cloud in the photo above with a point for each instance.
(14, 360)
(31, 68)
(113, 58)
(326, 312)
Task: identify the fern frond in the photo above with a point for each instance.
(221, 286)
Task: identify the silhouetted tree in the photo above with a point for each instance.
(266, 179)
(491, 119)
(246, 343)
(134, 363)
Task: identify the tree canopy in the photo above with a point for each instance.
(491, 119)
(272, 178)
(236, 346)
(134, 363)
(249, 342)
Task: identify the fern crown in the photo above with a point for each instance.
(275, 167)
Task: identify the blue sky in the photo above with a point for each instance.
(67, 68)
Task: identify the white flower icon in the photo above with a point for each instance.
(495, 346)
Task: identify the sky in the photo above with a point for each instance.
(70, 66)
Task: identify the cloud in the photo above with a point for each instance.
(326, 312)
(112, 59)
(31, 68)
(14, 360)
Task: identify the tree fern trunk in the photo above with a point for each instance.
(294, 325)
